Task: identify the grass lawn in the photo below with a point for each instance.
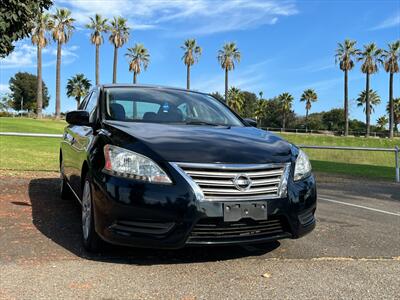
(26, 153)
(31, 125)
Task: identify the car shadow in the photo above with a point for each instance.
(60, 221)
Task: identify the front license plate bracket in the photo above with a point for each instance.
(238, 210)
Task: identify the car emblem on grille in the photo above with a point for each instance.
(242, 182)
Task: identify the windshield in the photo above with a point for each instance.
(155, 105)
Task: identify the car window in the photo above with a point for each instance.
(166, 106)
(91, 106)
(82, 105)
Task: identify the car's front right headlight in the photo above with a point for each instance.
(303, 166)
(125, 163)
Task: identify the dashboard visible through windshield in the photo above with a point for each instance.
(167, 106)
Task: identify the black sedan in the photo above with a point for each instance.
(164, 168)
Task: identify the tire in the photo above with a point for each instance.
(91, 240)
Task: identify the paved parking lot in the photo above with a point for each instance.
(353, 253)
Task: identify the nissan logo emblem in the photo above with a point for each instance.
(242, 182)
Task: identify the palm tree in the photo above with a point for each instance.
(382, 122)
(374, 100)
(308, 96)
(227, 56)
(396, 112)
(78, 86)
(98, 26)
(139, 57)
(390, 59)
(235, 100)
(285, 100)
(118, 37)
(261, 110)
(191, 55)
(370, 57)
(345, 53)
(39, 38)
(61, 25)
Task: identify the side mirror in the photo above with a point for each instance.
(250, 122)
(78, 117)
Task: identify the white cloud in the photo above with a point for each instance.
(190, 16)
(250, 78)
(25, 55)
(392, 21)
(4, 88)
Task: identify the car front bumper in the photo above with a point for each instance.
(149, 215)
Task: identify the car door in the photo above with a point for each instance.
(81, 137)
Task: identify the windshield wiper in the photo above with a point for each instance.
(198, 122)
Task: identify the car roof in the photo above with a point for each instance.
(160, 87)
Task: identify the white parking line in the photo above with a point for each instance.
(360, 206)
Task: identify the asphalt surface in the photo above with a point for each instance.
(354, 252)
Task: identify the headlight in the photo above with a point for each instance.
(125, 163)
(303, 166)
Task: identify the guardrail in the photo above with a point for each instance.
(395, 150)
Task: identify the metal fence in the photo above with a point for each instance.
(394, 150)
(380, 134)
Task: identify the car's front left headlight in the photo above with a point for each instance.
(303, 166)
(129, 164)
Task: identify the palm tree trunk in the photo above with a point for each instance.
(368, 107)
(226, 85)
(188, 77)
(284, 121)
(134, 77)
(346, 103)
(391, 112)
(58, 99)
(39, 92)
(97, 63)
(78, 102)
(306, 119)
(115, 64)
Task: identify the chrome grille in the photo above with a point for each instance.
(217, 181)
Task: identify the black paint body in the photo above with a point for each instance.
(140, 214)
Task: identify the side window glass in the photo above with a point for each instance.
(91, 106)
(84, 101)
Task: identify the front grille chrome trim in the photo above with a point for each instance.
(213, 182)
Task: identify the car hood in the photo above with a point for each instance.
(204, 144)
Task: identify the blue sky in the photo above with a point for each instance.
(286, 46)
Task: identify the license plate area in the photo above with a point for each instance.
(234, 211)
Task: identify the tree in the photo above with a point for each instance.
(118, 37)
(6, 103)
(23, 87)
(249, 104)
(396, 112)
(235, 100)
(191, 55)
(308, 96)
(285, 100)
(39, 38)
(61, 24)
(345, 53)
(16, 21)
(374, 100)
(218, 96)
(139, 58)
(98, 25)
(370, 57)
(227, 57)
(78, 86)
(382, 122)
(333, 119)
(390, 60)
(261, 111)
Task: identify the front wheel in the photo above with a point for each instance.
(91, 240)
